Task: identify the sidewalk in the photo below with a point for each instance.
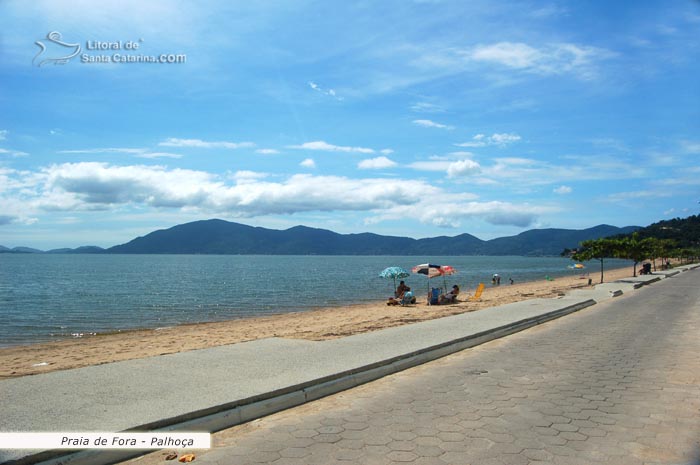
(211, 389)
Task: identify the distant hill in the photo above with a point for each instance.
(551, 241)
(685, 231)
(18, 250)
(83, 249)
(223, 237)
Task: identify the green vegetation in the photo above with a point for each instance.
(684, 232)
(678, 238)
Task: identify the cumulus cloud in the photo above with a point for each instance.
(433, 165)
(86, 186)
(99, 186)
(308, 163)
(562, 190)
(457, 164)
(376, 163)
(500, 140)
(463, 168)
(449, 210)
(198, 143)
(326, 147)
(267, 151)
(246, 175)
(426, 123)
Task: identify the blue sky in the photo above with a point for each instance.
(410, 118)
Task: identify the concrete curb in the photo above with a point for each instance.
(241, 411)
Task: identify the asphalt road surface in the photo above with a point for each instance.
(616, 383)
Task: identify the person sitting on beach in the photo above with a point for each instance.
(405, 298)
(401, 290)
(399, 294)
(451, 296)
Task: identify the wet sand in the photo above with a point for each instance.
(317, 325)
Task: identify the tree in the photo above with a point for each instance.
(660, 248)
(635, 249)
(598, 249)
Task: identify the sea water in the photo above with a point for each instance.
(46, 297)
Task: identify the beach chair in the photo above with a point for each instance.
(408, 298)
(434, 296)
(477, 294)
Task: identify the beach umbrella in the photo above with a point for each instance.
(394, 272)
(446, 270)
(428, 269)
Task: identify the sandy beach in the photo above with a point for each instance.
(317, 325)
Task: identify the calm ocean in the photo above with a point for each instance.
(48, 297)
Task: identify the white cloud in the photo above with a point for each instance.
(463, 168)
(692, 147)
(3, 134)
(426, 123)
(552, 59)
(386, 151)
(101, 186)
(198, 143)
(267, 151)
(158, 155)
(137, 152)
(247, 176)
(513, 55)
(437, 165)
(449, 210)
(500, 140)
(328, 92)
(562, 190)
(133, 151)
(425, 107)
(308, 163)
(376, 163)
(86, 186)
(324, 146)
(637, 195)
(13, 153)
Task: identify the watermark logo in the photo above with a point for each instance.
(54, 50)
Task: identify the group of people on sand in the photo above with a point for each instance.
(404, 295)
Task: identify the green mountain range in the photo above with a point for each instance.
(223, 237)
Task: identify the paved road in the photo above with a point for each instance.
(617, 383)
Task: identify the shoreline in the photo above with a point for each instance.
(315, 325)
